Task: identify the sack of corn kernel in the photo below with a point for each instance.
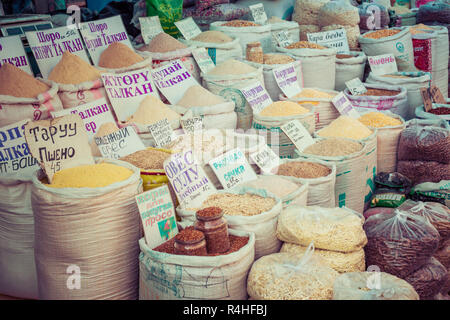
(246, 31)
(438, 112)
(397, 41)
(349, 157)
(381, 97)
(290, 27)
(429, 279)
(166, 276)
(352, 33)
(306, 12)
(99, 249)
(318, 65)
(388, 134)
(270, 126)
(411, 81)
(372, 286)
(342, 262)
(349, 66)
(320, 188)
(325, 111)
(288, 276)
(219, 52)
(339, 12)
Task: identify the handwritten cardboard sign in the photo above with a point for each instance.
(287, 79)
(257, 97)
(266, 159)
(120, 143)
(426, 97)
(356, 87)
(203, 59)
(127, 90)
(12, 52)
(298, 134)
(344, 106)
(15, 157)
(191, 124)
(258, 13)
(187, 178)
(99, 34)
(150, 28)
(49, 45)
(332, 39)
(157, 215)
(437, 95)
(383, 64)
(173, 80)
(188, 28)
(283, 38)
(59, 143)
(162, 132)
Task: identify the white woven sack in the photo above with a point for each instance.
(318, 66)
(412, 84)
(92, 230)
(221, 51)
(348, 69)
(400, 45)
(263, 225)
(440, 79)
(247, 34)
(397, 104)
(74, 95)
(228, 86)
(165, 276)
(291, 27)
(324, 109)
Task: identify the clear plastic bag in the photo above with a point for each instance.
(438, 11)
(399, 243)
(428, 280)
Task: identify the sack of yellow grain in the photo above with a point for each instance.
(119, 58)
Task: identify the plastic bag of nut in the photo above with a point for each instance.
(399, 243)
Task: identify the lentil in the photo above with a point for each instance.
(211, 222)
(190, 242)
(333, 147)
(304, 44)
(345, 127)
(239, 204)
(231, 66)
(118, 55)
(162, 43)
(152, 110)
(212, 36)
(197, 96)
(305, 170)
(344, 56)
(441, 110)
(379, 120)
(240, 23)
(276, 58)
(380, 92)
(283, 109)
(71, 69)
(147, 159)
(381, 33)
(17, 83)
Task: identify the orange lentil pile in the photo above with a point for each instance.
(344, 56)
(240, 23)
(305, 44)
(381, 33)
(380, 92)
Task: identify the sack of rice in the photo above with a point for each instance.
(288, 276)
(349, 66)
(108, 235)
(334, 229)
(118, 58)
(290, 27)
(24, 97)
(306, 12)
(372, 286)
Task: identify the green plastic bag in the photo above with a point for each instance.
(169, 11)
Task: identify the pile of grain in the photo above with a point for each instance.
(231, 66)
(17, 83)
(239, 204)
(305, 170)
(277, 58)
(312, 93)
(147, 159)
(379, 120)
(197, 96)
(305, 44)
(213, 36)
(344, 56)
(381, 33)
(283, 109)
(333, 147)
(279, 186)
(162, 43)
(71, 69)
(118, 55)
(380, 92)
(152, 110)
(240, 23)
(345, 127)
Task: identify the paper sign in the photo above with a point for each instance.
(298, 134)
(99, 34)
(190, 125)
(283, 38)
(332, 39)
(266, 159)
(120, 143)
(157, 215)
(15, 158)
(258, 13)
(287, 79)
(49, 45)
(93, 114)
(344, 106)
(383, 64)
(162, 132)
(436, 95)
(127, 90)
(426, 97)
(58, 144)
(173, 80)
(188, 28)
(12, 52)
(187, 178)
(150, 28)
(203, 59)
(257, 97)
(356, 87)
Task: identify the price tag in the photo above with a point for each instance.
(99, 34)
(162, 132)
(288, 79)
(150, 28)
(426, 97)
(157, 215)
(257, 97)
(12, 52)
(173, 80)
(283, 38)
(49, 45)
(383, 64)
(258, 13)
(356, 87)
(266, 159)
(189, 181)
(120, 143)
(332, 39)
(188, 28)
(59, 143)
(232, 168)
(192, 124)
(127, 90)
(298, 134)
(203, 59)
(436, 95)
(15, 158)
(344, 106)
